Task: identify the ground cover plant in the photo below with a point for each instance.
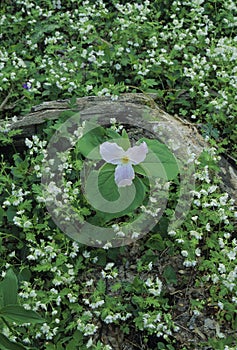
(172, 289)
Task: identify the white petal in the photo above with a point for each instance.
(111, 152)
(137, 154)
(124, 174)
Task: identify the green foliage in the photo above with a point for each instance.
(92, 137)
(7, 136)
(167, 49)
(110, 192)
(8, 289)
(6, 344)
(16, 313)
(170, 275)
(159, 162)
(183, 53)
(10, 311)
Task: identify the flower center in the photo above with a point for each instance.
(125, 160)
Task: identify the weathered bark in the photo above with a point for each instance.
(141, 113)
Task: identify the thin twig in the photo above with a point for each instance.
(4, 102)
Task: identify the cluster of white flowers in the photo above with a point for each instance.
(115, 55)
(86, 328)
(47, 332)
(116, 317)
(109, 272)
(154, 324)
(22, 221)
(154, 286)
(74, 250)
(16, 197)
(29, 294)
(208, 196)
(36, 145)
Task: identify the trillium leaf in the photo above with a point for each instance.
(159, 162)
(18, 314)
(112, 134)
(106, 183)
(123, 142)
(88, 144)
(124, 193)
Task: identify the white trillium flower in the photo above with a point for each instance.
(114, 154)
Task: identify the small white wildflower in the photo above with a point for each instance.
(31, 257)
(107, 245)
(197, 202)
(27, 224)
(17, 221)
(108, 319)
(28, 143)
(198, 252)
(117, 66)
(184, 253)
(196, 234)
(222, 268)
(37, 167)
(190, 263)
(179, 240)
(149, 282)
(221, 242)
(212, 188)
(89, 343)
(135, 235)
(120, 234)
(97, 304)
(53, 189)
(89, 283)
(72, 299)
(33, 294)
(231, 255)
(150, 266)
(54, 291)
(196, 312)
(172, 233)
(86, 254)
(14, 119)
(58, 300)
(234, 299)
(89, 87)
(113, 120)
(109, 266)
(116, 227)
(45, 328)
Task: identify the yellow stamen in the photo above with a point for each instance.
(125, 160)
